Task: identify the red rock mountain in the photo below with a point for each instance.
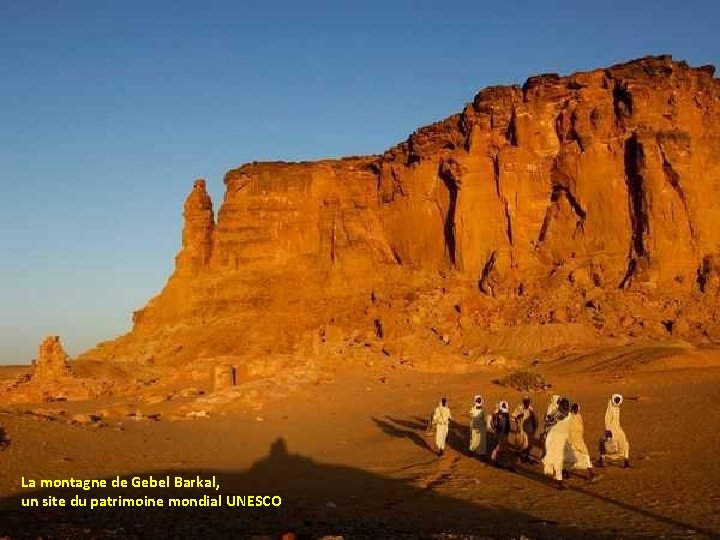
(591, 199)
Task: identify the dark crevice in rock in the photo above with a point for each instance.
(629, 273)
(634, 164)
(379, 331)
(622, 102)
(508, 223)
(573, 134)
(559, 131)
(466, 129)
(703, 274)
(396, 256)
(577, 208)
(549, 214)
(496, 173)
(559, 191)
(511, 131)
(412, 159)
(634, 160)
(452, 185)
(673, 178)
(484, 284)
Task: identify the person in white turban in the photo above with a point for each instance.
(557, 427)
(551, 410)
(501, 425)
(441, 420)
(478, 428)
(614, 444)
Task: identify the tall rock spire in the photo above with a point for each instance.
(198, 227)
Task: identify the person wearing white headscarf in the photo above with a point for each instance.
(551, 410)
(478, 427)
(553, 405)
(441, 420)
(577, 455)
(557, 426)
(615, 443)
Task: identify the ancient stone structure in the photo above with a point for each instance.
(223, 377)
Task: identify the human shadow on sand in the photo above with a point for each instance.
(534, 474)
(317, 499)
(415, 429)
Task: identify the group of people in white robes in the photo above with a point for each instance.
(562, 440)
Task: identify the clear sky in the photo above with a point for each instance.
(110, 109)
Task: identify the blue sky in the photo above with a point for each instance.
(111, 109)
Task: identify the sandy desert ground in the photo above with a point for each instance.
(350, 456)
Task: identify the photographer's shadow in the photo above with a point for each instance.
(317, 499)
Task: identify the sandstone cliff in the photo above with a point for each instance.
(590, 199)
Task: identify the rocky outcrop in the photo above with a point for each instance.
(564, 200)
(54, 378)
(52, 361)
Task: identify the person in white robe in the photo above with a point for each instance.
(614, 444)
(441, 420)
(557, 426)
(478, 428)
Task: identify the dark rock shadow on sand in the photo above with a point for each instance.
(317, 499)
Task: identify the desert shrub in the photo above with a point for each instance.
(524, 381)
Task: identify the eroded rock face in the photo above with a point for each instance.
(564, 200)
(597, 171)
(52, 361)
